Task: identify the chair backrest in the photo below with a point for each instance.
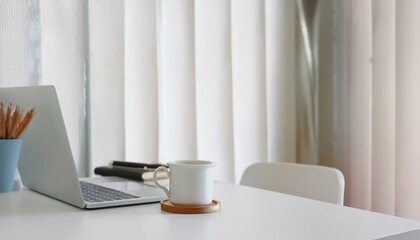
(309, 181)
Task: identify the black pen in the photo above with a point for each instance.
(136, 164)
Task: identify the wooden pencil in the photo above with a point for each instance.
(7, 122)
(2, 122)
(22, 124)
(25, 122)
(18, 116)
(12, 124)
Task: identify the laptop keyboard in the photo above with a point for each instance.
(95, 193)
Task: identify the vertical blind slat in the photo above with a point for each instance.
(106, 81)
(408, 108)
(177, 107)
(63, 49)
(141, 81)
(383, 106)
(14, 44)
(214, 85)
(280, 67)
(360, 95)
(249, 83)
(327, 64)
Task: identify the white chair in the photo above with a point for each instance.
(309, 181)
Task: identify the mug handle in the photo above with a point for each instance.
(161, 168)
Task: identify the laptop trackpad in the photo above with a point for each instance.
(141, 189)
(134, 188)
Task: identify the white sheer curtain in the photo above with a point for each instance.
(150, 81)
(146, 80)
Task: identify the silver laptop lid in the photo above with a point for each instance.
(46, 163)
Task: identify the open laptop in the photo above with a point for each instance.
(46, 163)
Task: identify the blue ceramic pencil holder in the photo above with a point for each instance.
(9, 157)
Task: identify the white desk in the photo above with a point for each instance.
(246, 213)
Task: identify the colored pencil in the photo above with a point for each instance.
(25, 122)
(7, 122)
(2, 122)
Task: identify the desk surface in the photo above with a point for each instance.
(246, 213)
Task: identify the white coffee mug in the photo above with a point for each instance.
(190, 182)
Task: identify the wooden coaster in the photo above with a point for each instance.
(167, 206)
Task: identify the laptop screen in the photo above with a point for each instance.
(46, 163)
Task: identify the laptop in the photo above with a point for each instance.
(46, 163)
